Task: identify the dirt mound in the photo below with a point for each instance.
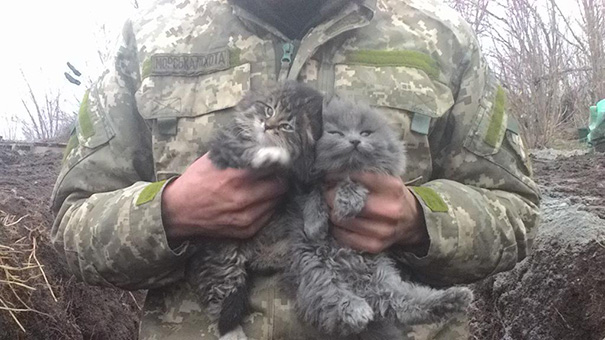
(581, 178)
(39, 299)
(559, 291)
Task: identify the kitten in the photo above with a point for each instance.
(341, 291)
(272, 133)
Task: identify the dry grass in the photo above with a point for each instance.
(20, 270)
(39, 297)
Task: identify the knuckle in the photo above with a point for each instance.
(386, 234)
(386, 210)
(246, 219)
(248, 232)
(337, 221)
(240, 200)
(398, 188)
(375, 247)
(241, 221)
(395, 210)
(245, 232)
(399, 212)
(231, 220)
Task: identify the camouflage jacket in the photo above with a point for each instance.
(179, 71)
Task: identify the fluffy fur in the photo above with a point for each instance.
(337, 290)
(272, 132)
(341, 291)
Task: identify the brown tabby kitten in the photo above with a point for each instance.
(273, 132)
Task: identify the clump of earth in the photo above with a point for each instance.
(559, 291)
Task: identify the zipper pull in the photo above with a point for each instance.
(288, 50)
(286, 61)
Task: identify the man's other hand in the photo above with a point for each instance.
(208, 202)
(391, 216)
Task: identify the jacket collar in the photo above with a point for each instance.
(362, 10)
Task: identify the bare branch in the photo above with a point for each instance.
(47, 120)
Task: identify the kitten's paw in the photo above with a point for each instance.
(269, 156)
(349, 317)
(454, 300)
(316, 230)
(349, 201)
(439, 307)
(356, 316)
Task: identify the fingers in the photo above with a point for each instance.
(378, 182)
(258, 224)
(372, 181)
(383, 208)
(248, 187)
(368, 228)
(329, 195)
(247, 223)
(358, 242)
(251, 214)
(261, 212)
(379, 205)
(254, 191)
(269, 187)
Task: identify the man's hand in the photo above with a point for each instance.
(391, 216)
(209, 202)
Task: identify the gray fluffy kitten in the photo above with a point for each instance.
(341, 291)
(273, 132)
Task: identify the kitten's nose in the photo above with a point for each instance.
(355, 142)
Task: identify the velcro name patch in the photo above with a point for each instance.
(189, 65)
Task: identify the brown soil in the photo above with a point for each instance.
(580, 178)
(81, 311)
(559, 291)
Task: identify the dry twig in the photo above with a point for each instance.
(565, 321)
(12, 314)
(15, 222)
(43, 273)
(135, 300)
(19, 277)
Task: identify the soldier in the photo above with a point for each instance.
(134, 193)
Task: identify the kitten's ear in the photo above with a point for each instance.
(247, 101)
(313, 102)
(316, 117)
(253, 96)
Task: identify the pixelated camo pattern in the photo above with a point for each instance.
(415, 60)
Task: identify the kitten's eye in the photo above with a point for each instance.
(366, 133)
(338, 133)
(286, 127)
(269, 112)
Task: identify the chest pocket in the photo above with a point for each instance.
(183, 112)
(411, 100)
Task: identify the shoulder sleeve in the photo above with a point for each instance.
(108, 226)
(481, 206)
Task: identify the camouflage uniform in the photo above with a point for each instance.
(180, 70)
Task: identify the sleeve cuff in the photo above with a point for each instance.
(442, 243)
(148, 205)
(442, 227)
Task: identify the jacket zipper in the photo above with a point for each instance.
(286, 60)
